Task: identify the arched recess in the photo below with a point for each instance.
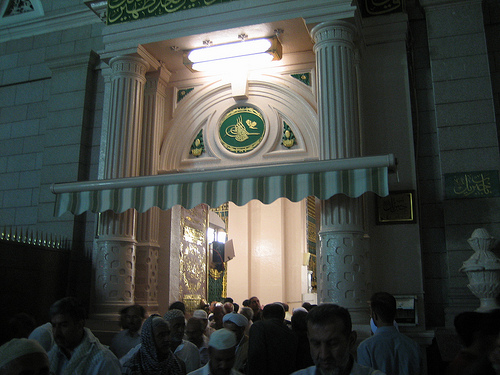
(280, 98)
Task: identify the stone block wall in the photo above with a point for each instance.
(456, 130)
(50, 119)
(51, 92)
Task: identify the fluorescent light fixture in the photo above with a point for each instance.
(246, 54)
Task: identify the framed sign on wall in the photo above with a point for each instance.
(397, 208)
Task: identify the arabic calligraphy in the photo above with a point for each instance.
(396, 207)
(239, 132)
(374, 7)
(473, 184)
(242, 129)
(127, 10)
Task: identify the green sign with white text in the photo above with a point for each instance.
(120, 11)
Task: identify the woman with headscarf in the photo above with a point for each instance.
(154, 356)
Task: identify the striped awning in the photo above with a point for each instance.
(296, 181)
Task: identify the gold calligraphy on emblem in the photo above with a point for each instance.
(239, 131)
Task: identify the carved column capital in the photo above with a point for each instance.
(129, 65)
(333, 32)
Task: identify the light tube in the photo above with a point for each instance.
(230, 50)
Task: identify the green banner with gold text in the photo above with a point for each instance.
(478, 184)
(120, 11)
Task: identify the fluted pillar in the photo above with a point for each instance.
(343, 265)
(147, 249)
(114, 259)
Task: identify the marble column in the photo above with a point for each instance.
(147, 249)
(343, 263)
(114, 258)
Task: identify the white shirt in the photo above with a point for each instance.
(205, 370)
(90, 357)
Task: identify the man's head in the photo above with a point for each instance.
(155, 338)
(383, 308)
(161, 335)
(202, 316)
(133, 317)
(218, 314)
(228, 307)
(23, 356)
(236, 323)
(177, 324)
(331, 337)
(273, 311)
(222, 352)
(68, 321)
(254, 304)
(194, 331)
(247, 312)
(178, 305)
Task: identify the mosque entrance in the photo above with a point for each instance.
(241, 251)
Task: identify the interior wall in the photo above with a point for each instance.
(388, 127)
(269, 241)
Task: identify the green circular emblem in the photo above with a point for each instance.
(242, 129)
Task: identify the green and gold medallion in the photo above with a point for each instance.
(242, 129)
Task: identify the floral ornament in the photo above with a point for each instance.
(288, 139)
(197, 147)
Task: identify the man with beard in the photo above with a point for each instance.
(77, 350)
(154, 355)
(332, 339)
(222, 354)
(184, 349)
(194, 333)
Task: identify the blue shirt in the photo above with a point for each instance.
(391, 352)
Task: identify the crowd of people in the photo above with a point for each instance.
(225, 339)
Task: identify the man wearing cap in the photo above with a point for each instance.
(23, 356)
(237, 323)
(202, 315)
(194, 333)
(222, 353)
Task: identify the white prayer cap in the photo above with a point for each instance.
(238, 319)
(16, 348)
(200, 314)
(222, 339)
